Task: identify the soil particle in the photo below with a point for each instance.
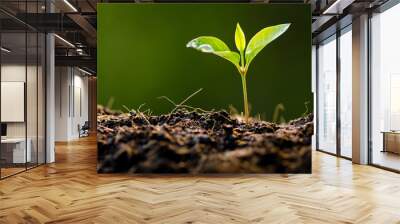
(193, 142)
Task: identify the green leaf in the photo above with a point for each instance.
(240, 39)
(230, 56)
(213, 45)
(262, 39)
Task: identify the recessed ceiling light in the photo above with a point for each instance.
(70, 5)
(84, 71)
(64, 40)
(337, 7)
(5, 50)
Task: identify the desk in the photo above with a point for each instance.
(391, 141)
(17, 150)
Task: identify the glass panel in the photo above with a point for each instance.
(385, 87)
(23, 90)
(14, 152)
(32, 84)
(32, 96)
(327, 96)
(41, 99)
(346, 94)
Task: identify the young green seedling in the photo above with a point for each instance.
(241, 60)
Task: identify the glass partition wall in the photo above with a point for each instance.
(13, 89)
(334, 93)
(385, 89)
(334, 90)
(345, 91)
(22, 98)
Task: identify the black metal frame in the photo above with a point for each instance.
(338, 98)
(316, 97)
(369, 70)
(44, 71)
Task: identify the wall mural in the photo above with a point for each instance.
(165, 108)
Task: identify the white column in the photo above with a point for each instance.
(314, 91)
(360, 90)
(50, 98)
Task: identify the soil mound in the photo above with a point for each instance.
(201, 142)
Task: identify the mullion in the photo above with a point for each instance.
(369, 100)
(26, 86)
(37, 90)
(317, 96)
(47, 5)
(338, 95)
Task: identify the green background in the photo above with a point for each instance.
(142, 55)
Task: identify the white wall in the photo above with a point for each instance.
(71, 102)
(314, 90)
(62, 81)
(80, 112)
(16, 73)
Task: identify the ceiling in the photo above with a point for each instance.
(75, 21)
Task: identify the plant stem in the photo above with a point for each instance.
(245, 102)
(241, 59)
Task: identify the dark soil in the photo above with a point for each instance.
(193, 142)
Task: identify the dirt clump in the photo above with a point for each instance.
(201, 142)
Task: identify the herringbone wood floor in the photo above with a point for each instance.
(70, 191)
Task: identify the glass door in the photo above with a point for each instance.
(326, 95)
